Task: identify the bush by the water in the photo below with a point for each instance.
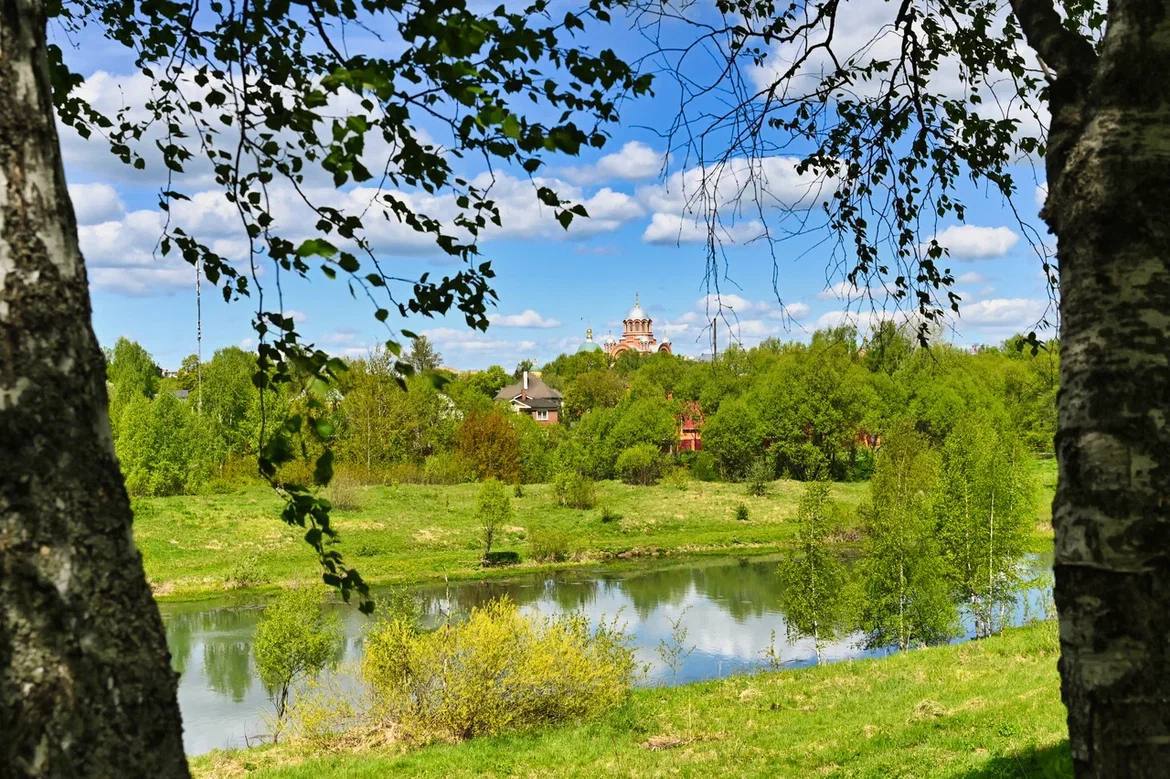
(641, 464)
(741, 513)
(492, 509)
(574, 490)
(295, 640)
(496, 559)
(549, 545)
(496, 671)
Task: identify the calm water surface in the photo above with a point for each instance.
(728, 609)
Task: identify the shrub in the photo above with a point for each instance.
(741, 513)
(678, 478)
(492, 509)
(295, 639)
(447, 468)
(344, 492)
(518, 490)
(247, 572)
(496, 671)
(609, 515)
(574, 490)
(640, 464)
(759, 477)
(549, 545)
(703, 466)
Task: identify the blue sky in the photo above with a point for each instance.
(552, 285)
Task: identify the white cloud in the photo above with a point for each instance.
(526, 318)
(1003, 312)
(977, 243)
(1041, 194)
(971, 277)
(95, 203)
(672, 229)
(633, 162)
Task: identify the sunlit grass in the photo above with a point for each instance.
(203, 544)
(984, 708)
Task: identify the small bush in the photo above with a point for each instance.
(703, 466)
(448, 468)
(549, 545)
(678, 478)
(741, 513)
(759, 477)
(492, 509)
(295, 639)
(497, 671)
(344, 492)
(641, 464)
(609, 515)
(574, 490)
(518, 490)
(247, 572)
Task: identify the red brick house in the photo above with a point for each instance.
(690, 431)
(533, 397)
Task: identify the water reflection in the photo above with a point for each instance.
(729, 609)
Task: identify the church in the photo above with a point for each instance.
(637, 335)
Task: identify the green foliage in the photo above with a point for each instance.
(490, 443)
(549, 545)
(741, 513)
(295, 639)
(164, 448)
(759, 477)
(984, 504)
(813, 584)
(493, 508)
(733, 437)
(574, 490)
(702, 465)
(608, 515)
(344, 492)
(423, 356)
(497, 671)
(132, 372)
(598, 388)
(640, 464)
(677, 477)
(905, 600)
(448, 468)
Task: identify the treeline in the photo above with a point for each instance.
(805, 411)
(945, 528)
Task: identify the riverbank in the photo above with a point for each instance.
(984, 708)
(203, 546)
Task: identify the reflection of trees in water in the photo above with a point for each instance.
(745, 590)
(650, 590)
(180, 629)
(227, 663)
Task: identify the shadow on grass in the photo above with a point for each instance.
(1053, 762)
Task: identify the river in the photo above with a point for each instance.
(726, 612)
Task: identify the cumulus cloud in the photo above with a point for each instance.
(1003, 312)
(633, 162)
(673, 229)
(971, 277)
(527, 318)
(95, 203)
(971, 242)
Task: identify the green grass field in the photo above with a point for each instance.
(986, 708)
(199, 546)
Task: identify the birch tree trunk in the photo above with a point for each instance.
(1108, 167)
(86, 687)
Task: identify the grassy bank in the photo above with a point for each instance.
(194, 546)
(198, 546)
(985, 708)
